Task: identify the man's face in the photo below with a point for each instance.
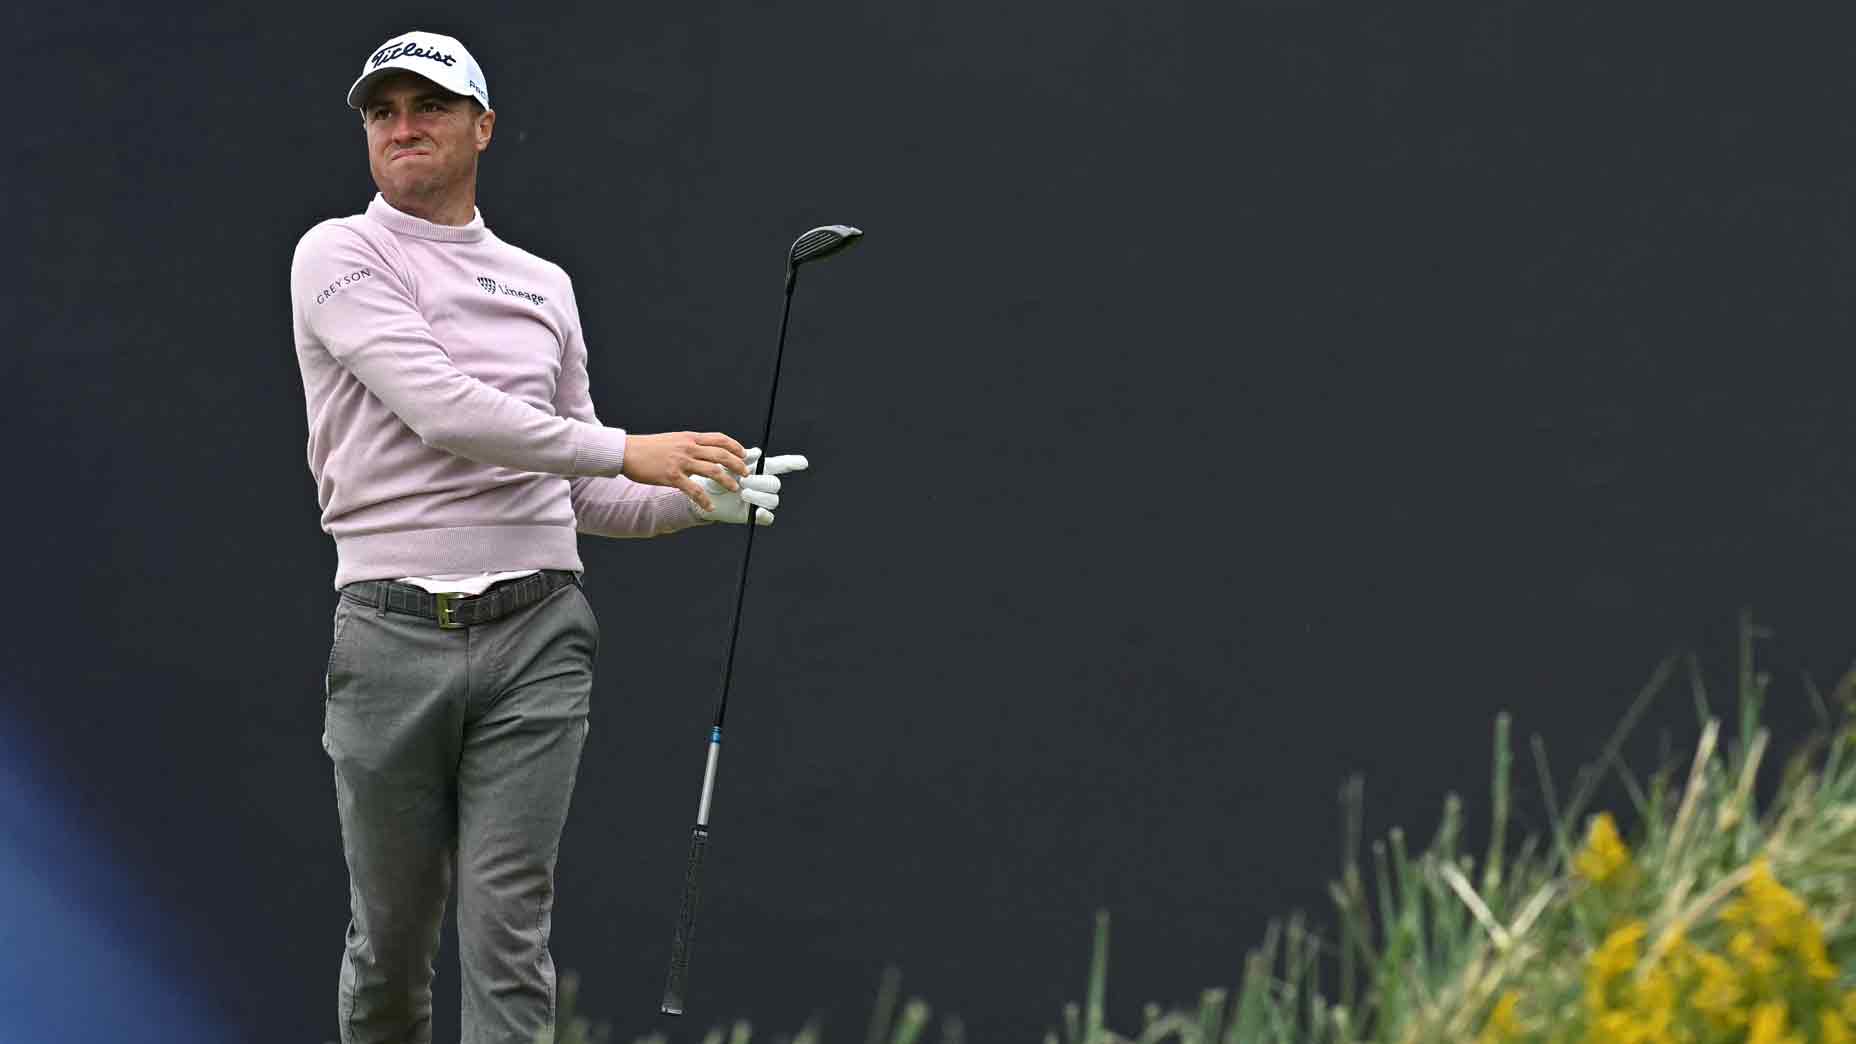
(421, 139)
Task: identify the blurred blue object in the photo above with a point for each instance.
(85, 957)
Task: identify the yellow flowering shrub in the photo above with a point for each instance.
(1773, 921)
(1605, 859)
(1769, 1026)
(1503, 1025)
(1717, 994)
(1763, 976)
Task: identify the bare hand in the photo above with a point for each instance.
(678, 458)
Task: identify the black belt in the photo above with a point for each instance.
(453, 611)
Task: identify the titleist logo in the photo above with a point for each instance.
(411, 49)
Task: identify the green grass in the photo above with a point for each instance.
(1574, 941)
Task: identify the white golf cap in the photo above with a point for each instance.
(435, 56)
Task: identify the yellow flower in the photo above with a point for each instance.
(1817, 963)
(1613, 959)
(1719, 995)
(1773, 920)
(1654, 1000)
(1776, 911)
(1604, 856)
(1503, 1024)
(1618, 953)
(1768, 1026)
(1831, 1029)
(1617, 1027)
(1746, 948)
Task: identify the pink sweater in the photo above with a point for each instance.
(450, 425)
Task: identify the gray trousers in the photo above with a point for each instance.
(455, 753)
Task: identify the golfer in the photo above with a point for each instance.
(456, 454)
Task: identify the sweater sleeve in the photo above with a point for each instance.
(615, 506)
(363, 312)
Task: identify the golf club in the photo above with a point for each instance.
(821, 242)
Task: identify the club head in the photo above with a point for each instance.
(822, 241)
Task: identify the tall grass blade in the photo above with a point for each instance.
(1498, 815)
(885, 1008)
(1097, 998)
(914, 1019)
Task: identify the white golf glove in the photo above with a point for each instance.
(761, 490)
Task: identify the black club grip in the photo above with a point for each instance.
(686, 925)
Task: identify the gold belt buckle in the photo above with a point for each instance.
(447, 608)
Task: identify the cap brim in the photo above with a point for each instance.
(357, 95)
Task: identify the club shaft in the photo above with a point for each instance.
(677, 982)
(708, 776)
(747, 555)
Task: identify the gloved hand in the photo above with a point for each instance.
(760, 488)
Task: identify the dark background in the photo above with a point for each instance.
(1223, 403)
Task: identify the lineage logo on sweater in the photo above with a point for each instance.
(491, 286)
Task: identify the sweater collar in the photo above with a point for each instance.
(407, 225)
